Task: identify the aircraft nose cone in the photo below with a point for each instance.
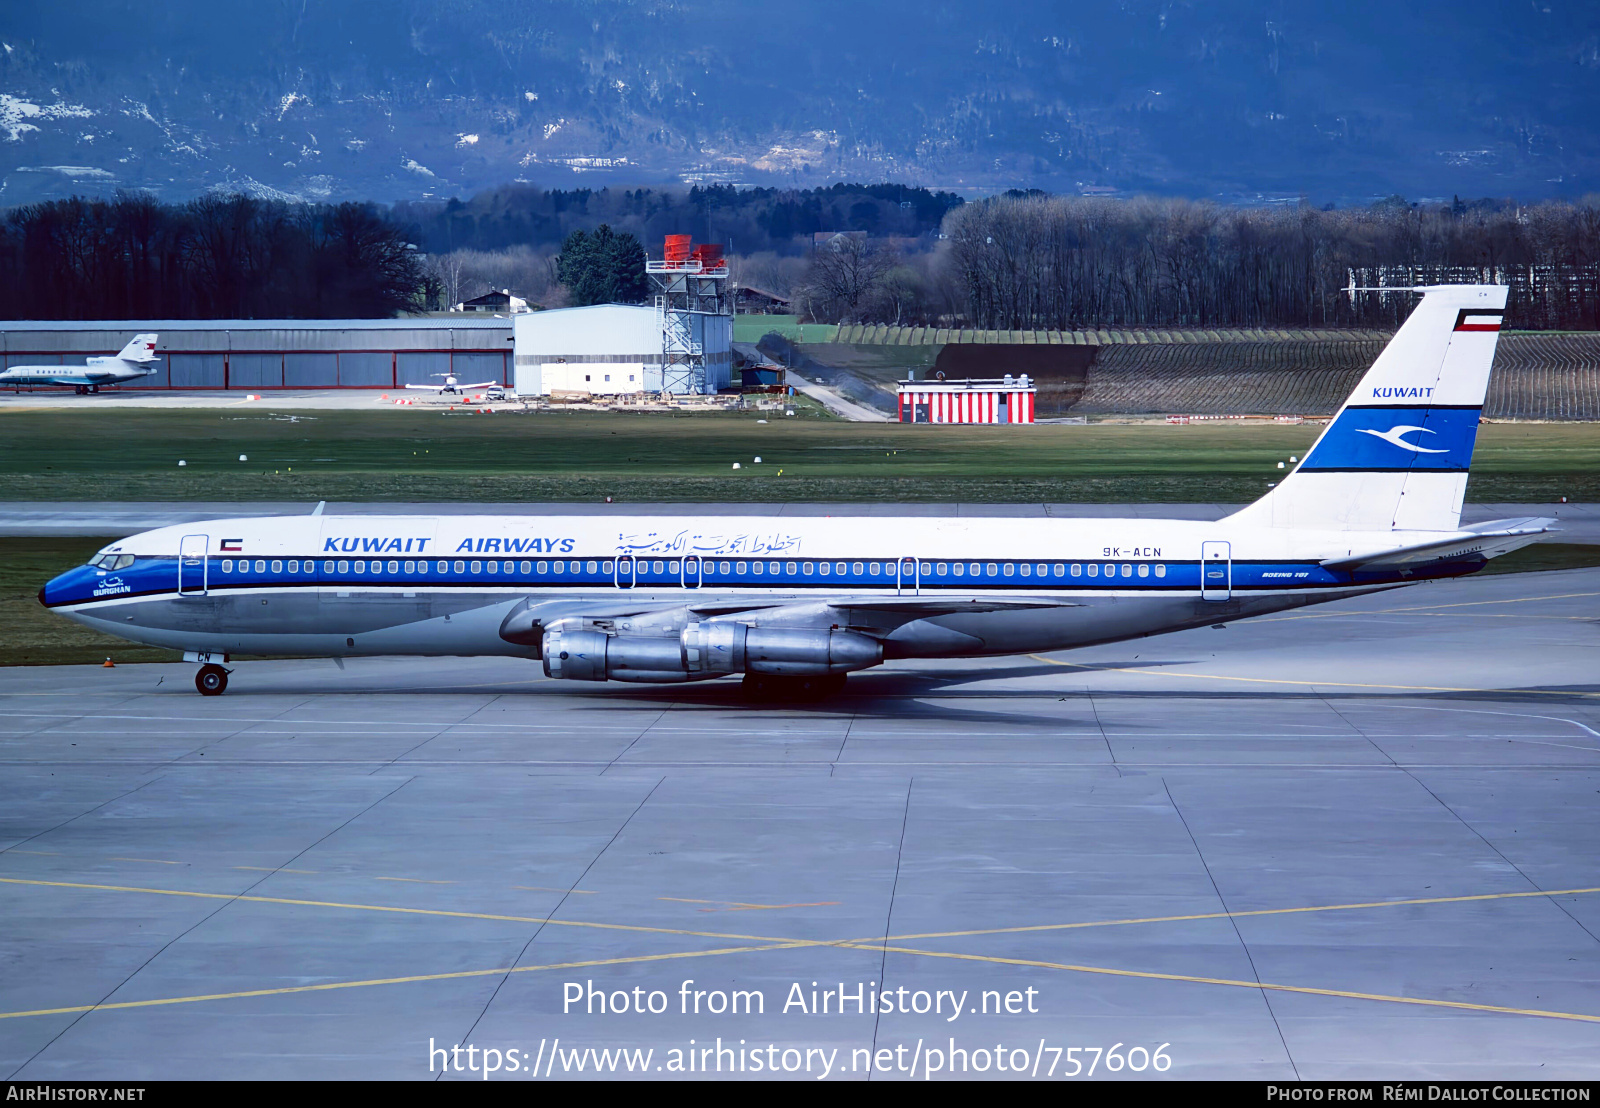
(52, 591)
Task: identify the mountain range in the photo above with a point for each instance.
(1241, 100)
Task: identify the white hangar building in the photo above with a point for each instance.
(614, 349)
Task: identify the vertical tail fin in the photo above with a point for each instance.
(140, 350)
(1395, 458)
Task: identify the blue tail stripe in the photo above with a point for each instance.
(1397, 438)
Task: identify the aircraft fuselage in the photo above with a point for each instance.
(342, 586)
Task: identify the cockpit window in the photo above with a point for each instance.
(111, 561)
(123, 561)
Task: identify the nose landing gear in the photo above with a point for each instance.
(212, 680)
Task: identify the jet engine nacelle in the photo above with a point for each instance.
(597, 656)
(705, 650)
(796, 651)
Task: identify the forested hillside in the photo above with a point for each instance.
(346, 99)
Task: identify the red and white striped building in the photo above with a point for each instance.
(1001, 400)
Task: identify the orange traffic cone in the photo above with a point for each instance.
(109, 664)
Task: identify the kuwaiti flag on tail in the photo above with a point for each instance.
(1396, 456)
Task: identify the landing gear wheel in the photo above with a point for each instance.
(212, 680)
(775, 687)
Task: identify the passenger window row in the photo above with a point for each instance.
(709, 568)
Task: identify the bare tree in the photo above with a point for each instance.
(529, 273)
(218, 257)
(447, 269)
(1039, 261)
(768, 271)
(842, 277)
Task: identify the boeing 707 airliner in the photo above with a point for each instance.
(796, 604)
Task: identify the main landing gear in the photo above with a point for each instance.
(771, 686)
(212, 680)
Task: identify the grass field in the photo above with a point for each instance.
(36, 637)
(751, 328)
(411, 454)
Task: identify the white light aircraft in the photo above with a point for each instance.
(795, 604)
(452, 386)
(136, 360)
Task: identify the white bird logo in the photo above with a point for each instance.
(1395, 436)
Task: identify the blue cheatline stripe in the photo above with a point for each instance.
(786, 573)
(1405, 438)
(151, 576)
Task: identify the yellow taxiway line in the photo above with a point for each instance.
(398, 910)
(741, 906)
(1348, 994)
(1236, 915)
(330, 985)
(1308, 683)
(766, 943)
(1430, 608)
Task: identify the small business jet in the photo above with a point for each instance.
(451, 386)
(136, 360)
(793, 605)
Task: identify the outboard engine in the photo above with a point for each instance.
(704, 650)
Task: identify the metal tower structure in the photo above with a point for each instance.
(690, 281)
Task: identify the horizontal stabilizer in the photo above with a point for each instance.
(1490, 540)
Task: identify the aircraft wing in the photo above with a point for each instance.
(916, 607)
(525, 623)
(908, 607)
(1491, 539)
(458, 388)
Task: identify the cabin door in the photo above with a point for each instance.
(1216, 571)
(193, 565)
(909, 579)
(625, 572)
